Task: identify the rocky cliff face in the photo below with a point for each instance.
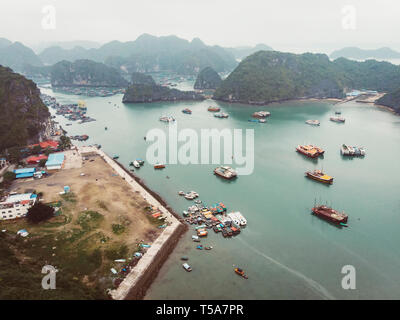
(145, 89)
(23, 116)
(152, 93)
(391, 100)
(85, 73)
(269, 76)
(208, 78)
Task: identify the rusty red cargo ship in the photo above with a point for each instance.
(330, 214)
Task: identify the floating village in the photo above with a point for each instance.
(72, 112)
(90, 91)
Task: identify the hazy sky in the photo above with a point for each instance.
(287, 25)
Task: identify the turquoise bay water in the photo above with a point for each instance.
(287, 252)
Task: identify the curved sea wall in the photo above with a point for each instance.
(136, 283)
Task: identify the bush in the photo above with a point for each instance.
(42, 163)
(8, 177)
(39, 213)
(118, 229)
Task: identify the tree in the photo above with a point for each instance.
(36, 149)
(65, 142)
(39, 213)
(8, 177)
(42, 163)
(14, 154)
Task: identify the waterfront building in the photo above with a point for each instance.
(16, 205)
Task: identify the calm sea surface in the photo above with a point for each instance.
(287, 252)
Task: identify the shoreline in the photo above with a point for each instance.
(136, 283)
(251, 104)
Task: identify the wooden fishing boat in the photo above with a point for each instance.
(330, 214)
(214, 109)
(318, 175)
(241, 273)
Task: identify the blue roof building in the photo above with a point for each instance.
(24, 173)
(55, 161)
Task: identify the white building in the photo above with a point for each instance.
(16, 205)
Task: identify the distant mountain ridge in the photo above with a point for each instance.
(242, 52)
(362, 54)
(16, 56)
(85, 73)
(149, 54)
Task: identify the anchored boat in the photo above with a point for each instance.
(318, 175)
(136, 164)
(338, 119)
(310, 151)
(352, 151)
(330, 214)
(159, 166)
(225, 172)
(167, 119)
(313, 122)
(241, 273)
(221, 115)
(261, 114)
(214, 109)
(187, 111)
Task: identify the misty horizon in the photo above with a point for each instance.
(285, 26)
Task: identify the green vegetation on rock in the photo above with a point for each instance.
(207, 79)
(22, 112)
(269, 76)
(85, 73)
(391, 100)
(152, 92)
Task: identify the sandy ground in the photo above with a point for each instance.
(99, 188)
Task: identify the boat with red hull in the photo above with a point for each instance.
(330, 214)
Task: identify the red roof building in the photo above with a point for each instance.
(46, 144)
(36, 159)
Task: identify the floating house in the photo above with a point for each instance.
(16, 205)
(24, 173)
(55, 161)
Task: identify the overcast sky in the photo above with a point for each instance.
(287, 25)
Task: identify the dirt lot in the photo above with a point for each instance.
(99, 221)
(98, 188)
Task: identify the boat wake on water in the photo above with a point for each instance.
(315, 286)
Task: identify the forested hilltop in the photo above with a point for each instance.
(269, 76)
(85, 73)
(22, 112)
(145, 89)
(207, 78)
